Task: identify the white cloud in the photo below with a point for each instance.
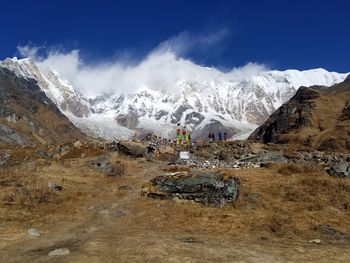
(186, 42)
(160, 70)
(28, 51)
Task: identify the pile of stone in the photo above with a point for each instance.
(215, 163)
(336, 164)
(206, 188)
(248, 161)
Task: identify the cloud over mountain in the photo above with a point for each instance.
(160, 70)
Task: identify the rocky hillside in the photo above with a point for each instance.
(315, 116)
(28, 116)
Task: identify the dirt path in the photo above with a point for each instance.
(116, 224)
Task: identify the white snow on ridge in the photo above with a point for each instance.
(211, 99)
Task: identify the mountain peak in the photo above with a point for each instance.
(237, 105)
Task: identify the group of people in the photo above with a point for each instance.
(221, 136)
(183, 136)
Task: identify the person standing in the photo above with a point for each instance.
(225, 136)
(184, 136)
(178, 134)
(220, 136)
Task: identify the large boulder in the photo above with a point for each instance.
(341, 169)
(135, 149)
(206, 188)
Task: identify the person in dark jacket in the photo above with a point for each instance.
(220, 136)
(225, 136)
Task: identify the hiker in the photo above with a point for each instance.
(220, 136)
(178, 134)
(185, 140)
(225, 136)
(150, 151)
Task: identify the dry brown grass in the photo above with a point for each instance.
(293, 169)
(274, 209)
(29, 196)
(173, 169)
(118, 169)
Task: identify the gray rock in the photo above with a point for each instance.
(64, 149)
(331, 231)
(59, 252)
(33, 232)
(120, 213)
(341, 169)
(54, 186)
(40, 153)
(273, 156)
(315, 241)
(206, 188)
(11, 136)
(5, 156)
(102, 163)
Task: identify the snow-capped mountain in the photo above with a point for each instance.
(211, 105)
(59, 90)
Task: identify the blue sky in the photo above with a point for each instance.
(225, 34)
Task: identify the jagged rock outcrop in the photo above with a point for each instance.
(316, 117)
(292, 115)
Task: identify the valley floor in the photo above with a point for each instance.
(105, 219)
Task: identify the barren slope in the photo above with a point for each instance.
(102, 219)
(27, 116)
(315, 117)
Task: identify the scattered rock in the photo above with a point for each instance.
(331, 231)
(102, 163)
(125, 188)
(272, 156)
(40, 153)
(55, 186)
(77, 144)
(59, 252)
(191, 240)
(315, 241)
(120, 213)
(206, 188)
(33, 232)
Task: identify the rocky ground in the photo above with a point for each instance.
(83, 202)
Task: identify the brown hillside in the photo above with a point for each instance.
(27, 116)
(315, 117)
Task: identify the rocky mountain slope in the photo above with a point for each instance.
(214, 104)
(315, 116)
(27, 115)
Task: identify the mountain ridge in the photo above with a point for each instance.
(236, 107)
